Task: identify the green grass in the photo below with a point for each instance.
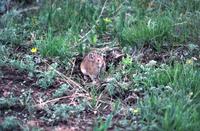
(65, 15)
(169, 111)
(53, 46)
(168, 93)
(152, 29)
(177, 76)
(175, 23)
(171, 103)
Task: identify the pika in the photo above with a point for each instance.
(92, 65)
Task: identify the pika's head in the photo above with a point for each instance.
(97, 59)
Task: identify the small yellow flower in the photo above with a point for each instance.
(107, 20)
(34, 50)
(189, 61)
(135, 111)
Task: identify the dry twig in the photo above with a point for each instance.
(75, 95)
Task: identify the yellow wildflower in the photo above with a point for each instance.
(189, 61)
(107, 20)
(135, 111)
(34, 50)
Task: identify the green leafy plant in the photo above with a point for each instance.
(61, 112)
(61, 90)
(46, 78)
(128, 61)
(8, 102)
(10, 123)
(26, 64)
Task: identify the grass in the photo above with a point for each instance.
(166, 99)
(53, 46)
(45, 89)
(169, 112)
(153, 29)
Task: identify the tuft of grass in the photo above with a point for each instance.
(177, 22)
(102, 125)
(53, 46)
(155, 29)
(180, 76)
(64, 15)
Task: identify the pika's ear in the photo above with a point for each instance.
(91, 56)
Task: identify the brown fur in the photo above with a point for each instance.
(92, 65)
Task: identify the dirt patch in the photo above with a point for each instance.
(14, 83)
